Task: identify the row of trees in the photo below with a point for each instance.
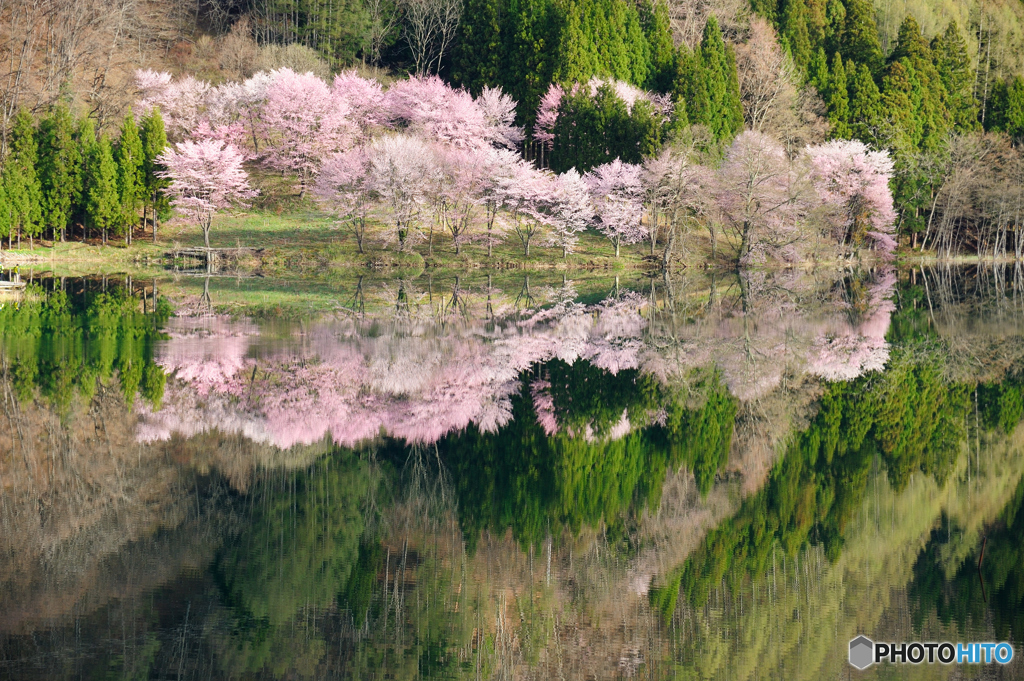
(60, 176)
(421, 158)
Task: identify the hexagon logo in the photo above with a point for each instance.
(862, 652)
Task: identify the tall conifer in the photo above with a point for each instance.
(837, 99)
(103, 203)
(21, 183)
(949, 50)
(130, 179)
(154, 139)
(60, 168)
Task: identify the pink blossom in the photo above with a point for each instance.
(547, 115)
(618, 194)
(206, 176)
(303, 123)
(854, 182)
(364, 99)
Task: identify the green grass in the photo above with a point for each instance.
(304, 242)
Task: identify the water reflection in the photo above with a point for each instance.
(689, 478)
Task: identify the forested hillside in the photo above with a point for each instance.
(936, 85)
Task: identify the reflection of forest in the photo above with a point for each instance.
(529, 550)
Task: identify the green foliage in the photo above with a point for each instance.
(130, 160)
(525, 45)
(995, 597)
(300, 550)
(539, 484)
(908, 417)
(337, 29)
(21, 184)
(60, 345)
(837, 99)
(722, 111)
(595, 130)
(103, 204)
(953, 63)
(154, 140)
(60, 168)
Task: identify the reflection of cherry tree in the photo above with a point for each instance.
(417, 383)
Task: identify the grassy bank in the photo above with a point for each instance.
(304, 243)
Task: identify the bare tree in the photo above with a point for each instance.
(384, 19)
(429, 30)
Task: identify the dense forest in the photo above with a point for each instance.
(939, 90)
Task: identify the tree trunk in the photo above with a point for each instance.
(616, 248)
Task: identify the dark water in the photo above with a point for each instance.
(688, 478)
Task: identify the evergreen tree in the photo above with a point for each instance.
(690, 88)
(154, 139)
(478, 57)
(859, 40)
(85, 138)
(1011, 118)
(658, 32)
(817, 71)
(60, 166)
(865, 103)
(837, 99)
(21, 183)
(724, 114)
(532, 46)
(949, 50)
(901, 104)
(835, 25)
(6, 212)
(794, 32)
(130, 176)
(578, 58)
(103, 203)
(931, 115)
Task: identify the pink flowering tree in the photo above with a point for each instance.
(182, 103)
(463, 175)
(547, 115)
(502, 165)
(618, 193)
(525, 193)
(853, 182)
(569, 210)
(364, 99)
(401, 170)
(205, 177)
(304, 123)
(763, 196)
(429, 107)
(499, 112)
(241, 104)
(344, 188)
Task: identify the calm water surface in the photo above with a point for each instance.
(685, 478)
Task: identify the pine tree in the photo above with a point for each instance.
(837, 99)
(21, 182)
(130, 178)
(1013, 113)
(859, 42)
(658, 32)
(60, 167)
(85, 138)
(718, 71)
(690, 87)
(794, 32)
(865, 103)
(154, 139)
(817, 71)
(835, 25)
(480, 51)
(901, 104)
(532, 35)
(103, 202)
(949, 50)
(6, 212)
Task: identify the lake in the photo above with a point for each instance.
(510, 476)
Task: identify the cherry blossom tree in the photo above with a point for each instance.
(763, 196)
(364, 99)
(462, 175)
(182, 102)
(853, 182)
(205, 177)
(547, 115)
(242, 103)
(499, 112)
(501, 168)
(401, 166)
(525, 192)
(429, 107)
(304, 123)
(569, 211)
(618, 193)
(344, 187)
